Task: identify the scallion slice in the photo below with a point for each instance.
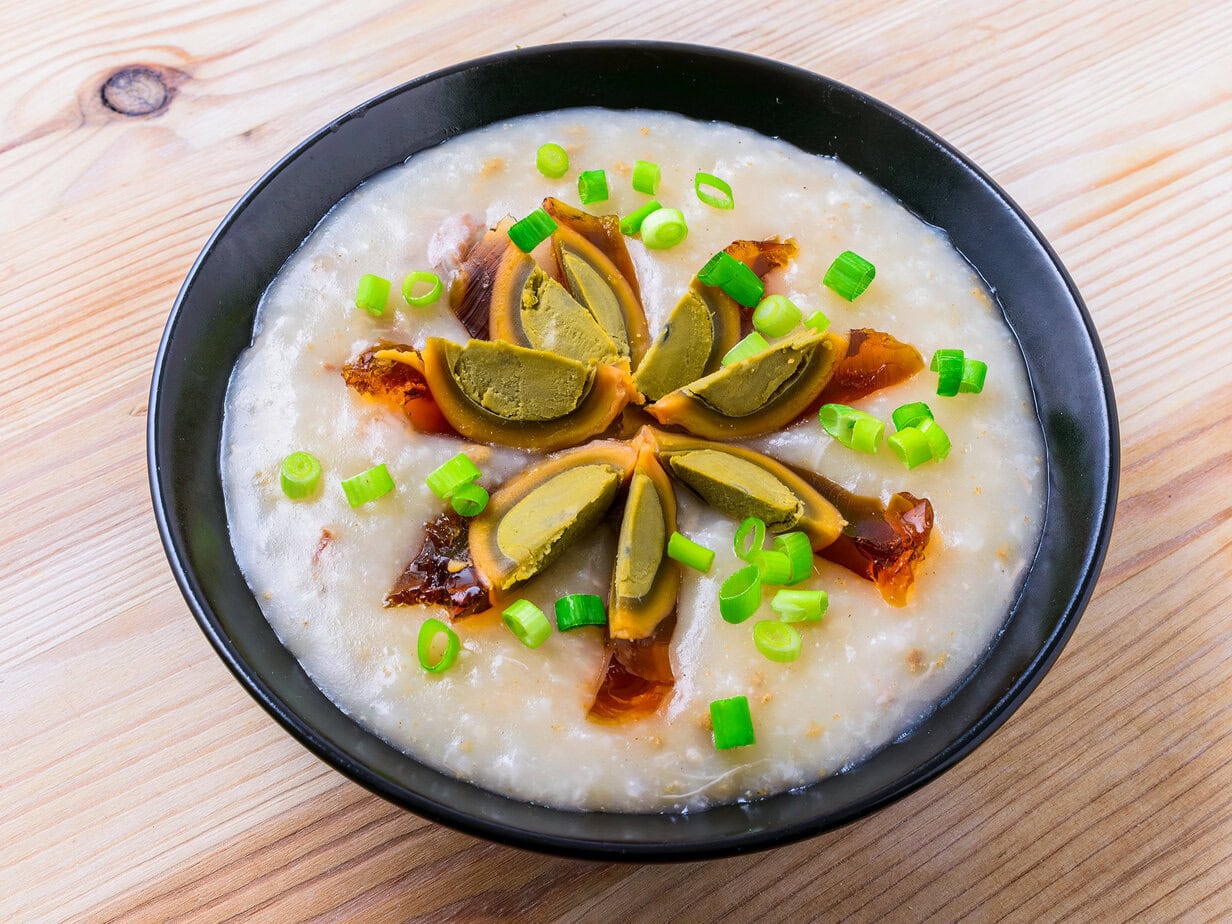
(778, 641)
(532, 230)
(428, 634)
(911, 446)
(372, 294)
(750, 536)
(775, 567)
(910, 415)
(817, 321)
(632, 223)
(799, 551)
(300, 474)
(740, 594)
(948, 364)
(938, 439)
(368, 486)
(552, 160)
(579, 610)
(733, 277)
(973, 374)
(646, 176)
(592, 186)
(849, 275)
(776, 315)
(421, 277)
(732, 723)
(687, 552)
(469, 500)
(449, 476)
(664, 228)
(720, 198)
(838, 420)
(751, 345)
(800, 605)
(866, 434)
(527, 622)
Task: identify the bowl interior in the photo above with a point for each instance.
(212, 322)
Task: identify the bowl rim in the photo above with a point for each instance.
(494, 829)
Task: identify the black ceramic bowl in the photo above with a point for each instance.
(212, 320)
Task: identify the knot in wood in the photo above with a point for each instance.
(135, 91)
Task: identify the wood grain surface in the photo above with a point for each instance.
(141, 783)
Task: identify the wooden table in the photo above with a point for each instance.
(140, 782)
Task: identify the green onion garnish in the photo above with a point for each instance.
(799, 551)
(421, 277)
(817, 321)
(732, 723)
(552, 160)
(372, 293)
(527, 622)
(449, 476)
(592, 186)
(740, 594)
(911, 446)
(300, 474)
(646, 177)
(469, 500)
(949, 365)
(838, 420)
(800, 605)
(687, 552)
(751, 345)
(973, 374)
(776, 315)
(429, 632)
(664, 228)
(910, 415)
(866, 434)
(938, 439)
(723, 199)
(532, 230)
(579, 610)
(849, 275)
(775, 567)
(733, 277)
(368, 486)
(750, 536)
(632, 223)
(777, 640)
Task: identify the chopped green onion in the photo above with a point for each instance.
(800, 605)
(817, 321)
(799, 551)
(449, 476)
(911, 446)
(750, 536)
(910, 415)
(632, 223)
(469, 500)
(973, 374)
(778, 641)
(751, 345)
(552, 160)
(866, 434)
(938, 439)
(300, 474)
(368, 486)
(664, 228)
(949, 365)
(433, 282)
(687, 552)
(429, 632)
(740, 594)
(775, 567)
(592, 186)
(527, 622)
(372, 294)
(646, 175)
(776, 315)
(579, 610)
(723, 199)
(849, 275)
(732, 723)
(733, 277)
(532, 230)
(838, 420)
